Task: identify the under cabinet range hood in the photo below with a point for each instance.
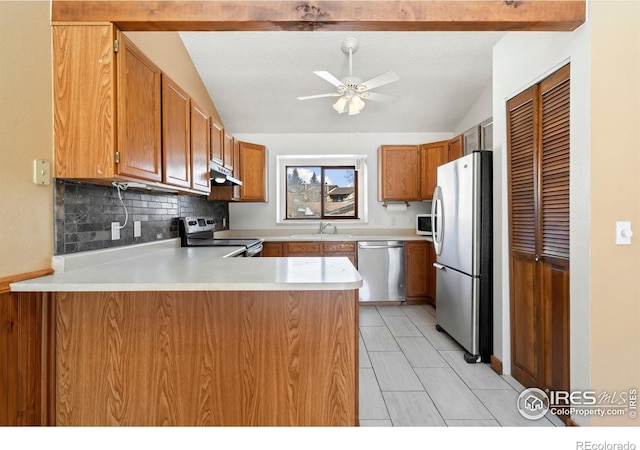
(221, 176)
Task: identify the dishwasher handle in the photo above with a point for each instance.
(365, 246)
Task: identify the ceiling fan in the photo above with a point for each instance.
(352, 90)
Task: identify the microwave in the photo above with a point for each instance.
(424, 224)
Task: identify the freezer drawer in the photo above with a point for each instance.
(381, 265)
(457, 307)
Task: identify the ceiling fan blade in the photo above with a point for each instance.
(380, 80)
(328, 77)
(378, 97)
(334, 94)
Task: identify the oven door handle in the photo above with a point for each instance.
(253, 251)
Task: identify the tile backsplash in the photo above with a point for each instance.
(84, 212)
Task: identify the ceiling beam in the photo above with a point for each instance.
(332, 15)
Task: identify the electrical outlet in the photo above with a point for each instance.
(393, 220)
(412, 220)
(224, 222)
(377, 220)
(115, 231)
(137, 228)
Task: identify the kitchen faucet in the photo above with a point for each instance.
(324, 225)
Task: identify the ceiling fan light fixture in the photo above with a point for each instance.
(341, 104)
(352, 91)
(355, 105)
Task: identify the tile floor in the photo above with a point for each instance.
(413, 375)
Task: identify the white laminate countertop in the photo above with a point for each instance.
(166, 266)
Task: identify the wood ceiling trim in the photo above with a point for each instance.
(363, 15)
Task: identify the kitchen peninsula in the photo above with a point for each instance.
(164, 335)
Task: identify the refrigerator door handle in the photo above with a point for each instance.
(437, 217)
(439, 266)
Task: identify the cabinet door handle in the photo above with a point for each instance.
(438, 266)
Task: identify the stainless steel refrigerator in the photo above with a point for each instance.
(463, 236)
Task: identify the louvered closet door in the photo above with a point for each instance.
(538, 158)
(522, 143)
(553, 241)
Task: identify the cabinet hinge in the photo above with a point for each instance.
(117, 157)
(115, 45)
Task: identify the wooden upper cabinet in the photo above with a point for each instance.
(227, 148)
(432, 155)
(456, 148)
(175, 134)
(217, 134)
(84, 80)
(138, 100)
(199, 149)
(252, 171)
(106, 106)
(398, 173)
(409, 172)
(235, 190)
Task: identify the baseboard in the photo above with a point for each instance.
(496, 365)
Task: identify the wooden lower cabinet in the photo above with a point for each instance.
(26, 365)
(431, 273)
(316, 248)
(303, 248)
(254, 358)
(347, 249)
(272, 249)
(419, 271)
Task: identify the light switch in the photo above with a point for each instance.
(623, 233)
(41, 172)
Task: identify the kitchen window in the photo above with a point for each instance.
(321, 192)
(316, 188)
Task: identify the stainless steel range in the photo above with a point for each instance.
(199, 232)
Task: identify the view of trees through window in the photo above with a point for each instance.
(319, 192)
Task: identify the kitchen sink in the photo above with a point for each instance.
(321, 236)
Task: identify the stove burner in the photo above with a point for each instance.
(199, 232)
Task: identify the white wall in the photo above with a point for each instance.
(247, 216)
(520, 60)
(481, 110)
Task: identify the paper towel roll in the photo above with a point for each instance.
(397, 207)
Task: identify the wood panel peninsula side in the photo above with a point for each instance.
(185, 338)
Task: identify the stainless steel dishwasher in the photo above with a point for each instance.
(381, 265)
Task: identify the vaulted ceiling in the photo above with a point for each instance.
(255, 77)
